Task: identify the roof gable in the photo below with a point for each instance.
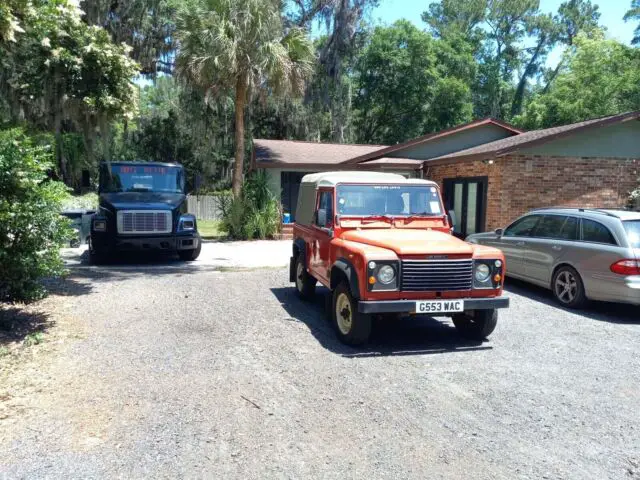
(533, 138)
(443, 142)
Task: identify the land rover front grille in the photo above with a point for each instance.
(144, 221)
(436, 275)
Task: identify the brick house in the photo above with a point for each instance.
(489, 172)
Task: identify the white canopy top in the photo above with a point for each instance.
(330, 179)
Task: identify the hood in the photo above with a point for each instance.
(143, 200)
(411, 242)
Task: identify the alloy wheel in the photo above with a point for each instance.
(566, 287)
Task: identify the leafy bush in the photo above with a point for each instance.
(87, 201)
(255, 213)
(31, 228)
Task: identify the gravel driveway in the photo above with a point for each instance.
(196, 372)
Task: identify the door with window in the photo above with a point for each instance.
(467, 198)
(513, 243)
(323, 225)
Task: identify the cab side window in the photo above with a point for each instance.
(324, 214)
(522, 227)
(595, 232)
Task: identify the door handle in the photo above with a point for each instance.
(520, 244)
(557, 248)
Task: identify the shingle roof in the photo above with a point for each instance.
(365, 156)
(287, 152)
(529, 139)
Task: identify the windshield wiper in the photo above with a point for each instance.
(417, 215)
(374, 217)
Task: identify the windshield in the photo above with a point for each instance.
(141, 178)
(633, 232)
(394, 200)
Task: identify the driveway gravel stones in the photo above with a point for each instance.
(189, 371)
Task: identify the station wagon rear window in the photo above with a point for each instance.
(141, 178)
(363, 200)
(633, 232)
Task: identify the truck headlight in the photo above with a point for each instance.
(482, 272)
(386, 274)
(187, 223)
(100, 225)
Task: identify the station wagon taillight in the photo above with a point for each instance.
(626, 267)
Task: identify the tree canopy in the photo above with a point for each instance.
(193, 81)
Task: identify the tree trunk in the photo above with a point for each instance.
(238, 168)
(516, 105)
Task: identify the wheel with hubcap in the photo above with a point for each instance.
(352, 327)
(476, 324)
(568, 288)
(305, 283)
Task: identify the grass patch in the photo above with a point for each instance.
(4, 351)
(210, 229)
(32, 339)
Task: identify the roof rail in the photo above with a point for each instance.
(581, 209)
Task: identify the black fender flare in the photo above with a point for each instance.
(346, 267)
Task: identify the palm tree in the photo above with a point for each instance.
(241, 45)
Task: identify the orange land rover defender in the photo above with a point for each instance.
(383, 245)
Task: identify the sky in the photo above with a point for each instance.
(612, 16)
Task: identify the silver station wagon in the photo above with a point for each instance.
(579, 253)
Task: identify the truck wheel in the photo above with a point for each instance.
(190, 255)
(476, 324)
(568, 288)
(96, 257)
(352, 327)
(305, 283)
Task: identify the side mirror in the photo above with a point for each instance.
(451, 215)
(321, 218)
(499, 232)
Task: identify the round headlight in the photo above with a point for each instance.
(498, 263)
(386, 274)
(482, 272)
(372, 265)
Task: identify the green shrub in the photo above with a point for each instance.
(31, 228)
(254, 214)
(87, 201)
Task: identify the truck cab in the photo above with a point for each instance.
(383, 245)
(143, 207)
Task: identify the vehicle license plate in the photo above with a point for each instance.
(440, 306)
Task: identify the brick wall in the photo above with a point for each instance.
(518, 183)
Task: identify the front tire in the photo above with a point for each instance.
(96, 257)
(476, 324)
(305, 283)
(190, 255)
(352, 327)
(568, 288)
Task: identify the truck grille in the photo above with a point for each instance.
(144, 221)
(436, 275)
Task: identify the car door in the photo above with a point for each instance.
(323, 227)
(546, 246)
(513, 242)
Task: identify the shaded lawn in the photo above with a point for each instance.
(210, 229)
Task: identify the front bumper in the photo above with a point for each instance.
(170, 243)
(409, 306)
